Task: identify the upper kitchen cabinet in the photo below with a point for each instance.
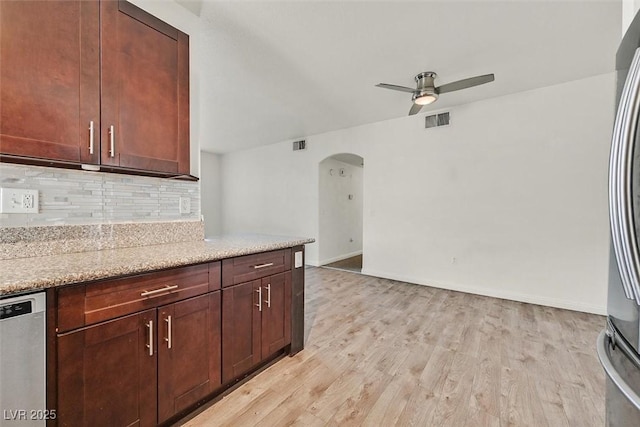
(145, 91)
(93, 82)
(49, 79)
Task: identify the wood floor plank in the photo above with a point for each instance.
(485, 390)
(419, 409)
(382, 353)
(520, 403)
(479, 418)
(343, 388)
(453, 406)
(435, 373)
(392, 401)
(357, 406)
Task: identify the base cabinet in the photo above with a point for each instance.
(106, 376)
(256, 323)
(141, 350)
(188, 353)
(144, 368)
(241, 322)
(276, 313)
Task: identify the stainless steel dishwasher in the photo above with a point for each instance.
(22, 361)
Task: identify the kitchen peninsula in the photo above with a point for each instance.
(164, 326)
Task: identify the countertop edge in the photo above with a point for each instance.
(210, 250)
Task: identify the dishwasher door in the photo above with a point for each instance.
(22, 361)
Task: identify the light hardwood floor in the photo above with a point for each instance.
(350, 264)
(384, 353)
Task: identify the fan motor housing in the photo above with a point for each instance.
(426, 74)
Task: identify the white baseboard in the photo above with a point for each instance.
(339, 258)
(496, 293)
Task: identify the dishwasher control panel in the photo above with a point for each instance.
(16, 309)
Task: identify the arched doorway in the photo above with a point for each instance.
(340, 217)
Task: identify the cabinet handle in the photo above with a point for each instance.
(112, 141)
(269, 295)
(167, 288)
(259, 304)
(91, 133)
(150, 345)
(168, 338)
(269, 264)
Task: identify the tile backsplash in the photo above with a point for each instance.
(80, 197)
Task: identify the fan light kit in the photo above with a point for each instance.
(425, 99)
(426, 92)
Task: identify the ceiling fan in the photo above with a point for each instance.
(426, 92)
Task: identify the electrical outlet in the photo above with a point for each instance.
(185, 205)
(27, 201)
(18, 200)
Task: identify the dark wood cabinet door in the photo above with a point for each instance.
(188, 353)
(107, 373)
(276, 313)
(49, 79)
(240, 329)
(145, 90)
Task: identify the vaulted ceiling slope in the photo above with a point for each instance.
(276, 70)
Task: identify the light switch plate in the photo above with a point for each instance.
(18, 200)
(298, 259)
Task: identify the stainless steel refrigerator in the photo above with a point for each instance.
(618, 345)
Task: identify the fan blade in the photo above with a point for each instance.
(466, 83)
(395, 87)
(415, 109)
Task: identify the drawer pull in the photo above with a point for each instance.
(168, 338)
(269, 264)
(269, 295)
(259, 304)
(158, 291)
(150, 344)
(91, 134)
(112, 141)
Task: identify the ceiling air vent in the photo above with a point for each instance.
(299, 145)
(435, 120)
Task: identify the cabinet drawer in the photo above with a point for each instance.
(251, 267)
(91, 303)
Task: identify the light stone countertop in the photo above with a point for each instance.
(27, 274)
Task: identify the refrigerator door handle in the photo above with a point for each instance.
(612, 373)
(620, 197)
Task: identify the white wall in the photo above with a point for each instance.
(629, 10)
(211, 193)
(340, 227)
(508, 201)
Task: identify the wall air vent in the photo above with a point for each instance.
(435, 120)
(431, 121)
(299, 145)
(443, 119)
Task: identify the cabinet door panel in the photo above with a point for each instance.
(190, 369)
(106, 376)
(49, 69)
(145, 86)
(276, 313)
(240, 329)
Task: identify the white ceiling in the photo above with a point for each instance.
(271, 71)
